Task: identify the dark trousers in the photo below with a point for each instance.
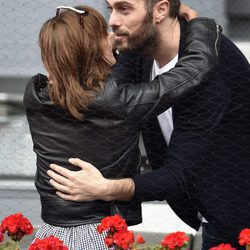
(211, 238)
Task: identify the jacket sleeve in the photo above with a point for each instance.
(203, 36)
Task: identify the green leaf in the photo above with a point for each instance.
(9, 245)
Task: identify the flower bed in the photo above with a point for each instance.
(16, 226)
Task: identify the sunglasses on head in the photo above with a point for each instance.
(61, 9)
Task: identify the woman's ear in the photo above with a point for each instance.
(161, 10)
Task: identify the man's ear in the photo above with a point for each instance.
(161, 10)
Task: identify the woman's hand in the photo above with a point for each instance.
(187, 12)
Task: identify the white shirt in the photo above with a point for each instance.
(165, 119)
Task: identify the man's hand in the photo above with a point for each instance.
(187, 12)
(88, 184)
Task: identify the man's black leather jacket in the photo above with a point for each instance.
(108, 135)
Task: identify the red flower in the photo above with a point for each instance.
(139, 239)
(109, 241)
(119, 223)
(118, 234)
(105, 225)
(49, 243)
(223, 247)
(17, 226)
(113, 223)
(175, 240)
(1, 236)
(124, 239)
(244, 237)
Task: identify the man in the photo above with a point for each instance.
(205, 169)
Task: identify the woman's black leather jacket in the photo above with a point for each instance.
(108, 135)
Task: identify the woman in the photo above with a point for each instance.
(82, 111)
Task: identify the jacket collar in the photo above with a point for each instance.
(182, 46)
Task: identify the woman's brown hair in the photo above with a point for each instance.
(73, 56)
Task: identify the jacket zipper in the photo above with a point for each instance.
(219, 29)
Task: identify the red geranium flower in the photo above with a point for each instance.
(139, 239)
(119, 223)
(124, 239)
(113, 223)
(109, 241)
(118, 235)
(244, 237)
(223, 247)
(16, 226)
(49, 243)
(175, 241)
(105, 224)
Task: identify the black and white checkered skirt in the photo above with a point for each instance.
(84, 237)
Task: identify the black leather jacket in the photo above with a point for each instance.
(108, 136)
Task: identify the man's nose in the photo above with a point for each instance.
(114, 20)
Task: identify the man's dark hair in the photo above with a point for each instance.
(174, 6)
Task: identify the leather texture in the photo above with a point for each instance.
(108, 135)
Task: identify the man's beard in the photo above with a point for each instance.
(145, 39)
